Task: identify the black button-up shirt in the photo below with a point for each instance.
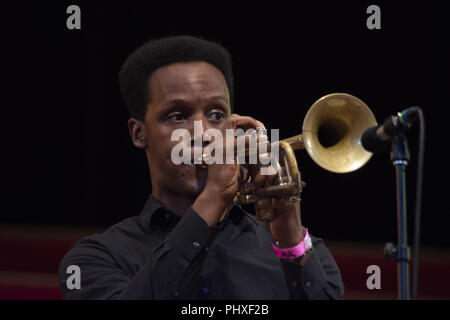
(158, 255)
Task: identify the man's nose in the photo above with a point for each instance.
(199, 134)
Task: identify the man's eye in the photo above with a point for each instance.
(177, 117)
(216, 116)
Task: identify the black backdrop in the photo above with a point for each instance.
(67, 156)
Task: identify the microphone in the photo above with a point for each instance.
(376, 138)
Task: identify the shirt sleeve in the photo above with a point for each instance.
(318, 278)
(170, 273)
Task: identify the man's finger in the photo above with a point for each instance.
(243, 122)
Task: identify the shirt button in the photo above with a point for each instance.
(308, 284)
(195, 244)
(205, 290)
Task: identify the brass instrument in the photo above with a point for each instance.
(331, 134)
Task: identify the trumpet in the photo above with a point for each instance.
(331, 135)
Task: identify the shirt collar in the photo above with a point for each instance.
(155, 212)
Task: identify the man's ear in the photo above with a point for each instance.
(138, 133)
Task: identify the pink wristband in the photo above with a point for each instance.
(295, 252)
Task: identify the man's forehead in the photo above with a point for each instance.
(179, 79)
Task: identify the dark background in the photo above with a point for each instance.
(66, 152)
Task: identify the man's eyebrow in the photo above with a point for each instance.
(218, 98)
(184, 102)
(177, 101)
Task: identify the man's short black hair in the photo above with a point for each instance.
(135, 73)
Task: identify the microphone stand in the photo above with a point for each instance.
(400, 157)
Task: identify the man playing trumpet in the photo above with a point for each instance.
(191, 240)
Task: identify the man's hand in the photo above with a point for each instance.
(286, 227)
(223, 179)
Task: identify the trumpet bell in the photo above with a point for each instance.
(331, 135)
(332, 131)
